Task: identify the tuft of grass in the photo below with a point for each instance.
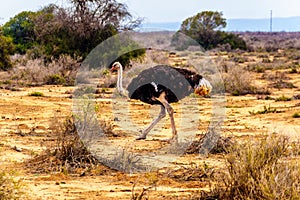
(194, 172)
(280, 84)
(36, 94)
(10, 188)
(283, 98)
(296, 115)
(68, 154)
(266, 110)
(293, 71)
(268, 98)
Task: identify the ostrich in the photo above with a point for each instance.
(162, 85)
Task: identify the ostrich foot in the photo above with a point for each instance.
(171, 140)
(141, 137)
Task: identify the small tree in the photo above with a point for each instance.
(6, 48)
(205, 28)
(73, 30)
(204, 21)
(21, 29)
(79, 28)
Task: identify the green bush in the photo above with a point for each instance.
(36, 94)
(21, 29)
(234, 40)
(75, 29)
(56, 79)
(205, 27)
(296, 115)
(266, 110)
(6, 48)
(283, 98)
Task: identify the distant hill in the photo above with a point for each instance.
(291, 24)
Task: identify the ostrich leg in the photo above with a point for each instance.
(162, 99)
(161, 115)
(171, 112)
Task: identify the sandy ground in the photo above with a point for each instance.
(26, 121)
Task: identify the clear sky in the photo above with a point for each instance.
(176, 10)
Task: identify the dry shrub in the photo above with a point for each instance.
(67, 154)
(296, 96)
(109, 81)
(274, 76)
(278, 80)
(267, 64)
(107, 127)
(260, 170)
(139, 194)
(237, 80)
(221, 146)
(35, 72)
(194, 172)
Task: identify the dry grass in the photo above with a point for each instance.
(67, 154)
(265, 110)
(265, 169)
(36, 72)
(193, 172)
(221, 146)
(10, 188)
(278, 80)
(271, 42)
(239, 81)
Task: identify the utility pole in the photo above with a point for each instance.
(271, 21)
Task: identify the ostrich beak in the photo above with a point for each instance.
(112, 69)
(203, 88)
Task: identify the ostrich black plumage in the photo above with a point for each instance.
(163, 85)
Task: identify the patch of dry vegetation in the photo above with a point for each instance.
(265, 169)
(60, 71)
(221, 146)
(237, 80)
(278, 80)
(270, 42)
(10, 188)
(193, 172)
(67, 154)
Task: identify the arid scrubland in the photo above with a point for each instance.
(256, 157)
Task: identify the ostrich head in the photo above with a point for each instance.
(203, 88)
(116, 66)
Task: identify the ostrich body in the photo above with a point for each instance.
(163, 85)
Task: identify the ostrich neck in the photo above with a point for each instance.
(119, 81)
